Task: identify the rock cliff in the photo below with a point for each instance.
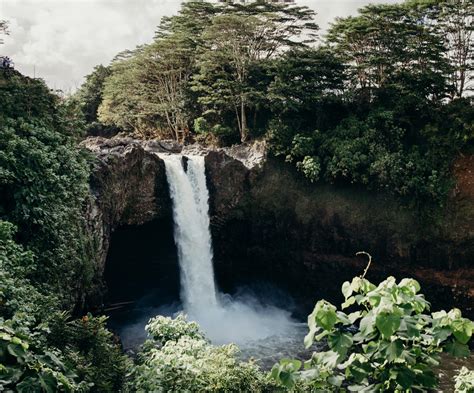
(269, 223)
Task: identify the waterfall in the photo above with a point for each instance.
(224, 319)
(192, 235)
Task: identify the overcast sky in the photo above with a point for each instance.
(62, 40)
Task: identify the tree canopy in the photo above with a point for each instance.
(382, 99)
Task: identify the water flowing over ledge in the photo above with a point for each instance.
(268, 224)
(223, 319)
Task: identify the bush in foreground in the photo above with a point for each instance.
(387, 343)
(464, 381)
(179, 359)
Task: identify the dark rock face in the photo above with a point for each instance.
(271, 224)
(128, 187)
(268, 223)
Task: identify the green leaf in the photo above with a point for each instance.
(354, 316)
(346, 289)
(441, 334)
(405, 377)
(394, 350)
(336, 380)
(16, 350)
(411, 284)
(48, 382)
(28, 385)
(325, 315)
(457, 349)
(366, 326)
(340, 342)
(349, 302)
(462, 330)
(387, 324)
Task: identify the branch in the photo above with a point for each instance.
(368, 265)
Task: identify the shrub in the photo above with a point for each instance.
(26, 368)
(180, 359)
(44, 185)
(388, 343)
(90, 349)
(163, 329)
(464, 381)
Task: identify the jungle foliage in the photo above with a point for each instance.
(179, 358)
(388, 342)
(46, 258)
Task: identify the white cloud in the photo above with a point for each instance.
(64, 39)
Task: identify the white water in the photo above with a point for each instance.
(189, 194)
(222, 318)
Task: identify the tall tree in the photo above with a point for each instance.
(121, 96)
(392, 45)
(457, 21)
(237, 43)
(164, 70)
(90, 94)
(149, 89)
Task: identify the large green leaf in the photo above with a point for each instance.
(457, 349)
(462, 330)
(325, 315)
(340, 342)
(387, 323)
(346, 289)
(405, 377)
(394, 350)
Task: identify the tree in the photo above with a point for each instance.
(164, 71)
(121, 96)
(90, 94)
(3, 29)
(453, 21)
(392, 45)
(457, 26)
(304, 77)
(148, 91)
(236, 44)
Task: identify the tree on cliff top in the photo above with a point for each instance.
(393, 46)
(454, 23)
(237, 43)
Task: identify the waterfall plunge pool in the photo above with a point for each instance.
(258, 326)
(261, 326)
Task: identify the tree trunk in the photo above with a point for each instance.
(243, 122)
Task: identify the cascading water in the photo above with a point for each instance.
(189, 194)
(222, 318)
(261, 330)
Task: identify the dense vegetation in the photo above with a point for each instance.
(387, 343)
(178, 357)
(382, 100)
(46, 265)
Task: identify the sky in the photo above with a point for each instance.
(62, 40)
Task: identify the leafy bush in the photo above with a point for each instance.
(19, 299)
(40, 347)
(464, 381)
(388, 343)
(45, 253)
(311, 168)
(28, 369)
(179, 358)
(25, 364)
(163, 329)
(90, 349)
